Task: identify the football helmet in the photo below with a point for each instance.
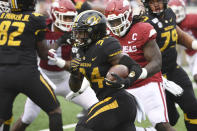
(148, 9)
(62, 10)
(89, 26)
(178, 7)
(22, 5)
(119, 16)
(4, 6)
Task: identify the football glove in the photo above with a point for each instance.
(65, 39)
(57, 60)
(84, 86)
(72, 95)
(172, 87)
(120, 82)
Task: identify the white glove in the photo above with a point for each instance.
(72, 95)
(84, 86)
(57, 60)
(172, 87)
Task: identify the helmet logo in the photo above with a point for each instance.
(93, 20)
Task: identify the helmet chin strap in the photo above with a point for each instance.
(160, 13)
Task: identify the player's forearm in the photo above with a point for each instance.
(153, 67)
(184, 38)
(154, 58)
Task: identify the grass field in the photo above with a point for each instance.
(69, 115)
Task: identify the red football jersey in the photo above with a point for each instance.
(133, 43)
(189, 25)
(63, 51)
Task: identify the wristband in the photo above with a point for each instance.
(194, 44)
(60, 62)
(143, 74)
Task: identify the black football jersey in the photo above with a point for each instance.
(19, 33)
(166, 37)
(94, 64)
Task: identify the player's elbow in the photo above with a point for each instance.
(158, 64)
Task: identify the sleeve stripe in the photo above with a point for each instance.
(37, 31)
(116, 53)
(48, 87)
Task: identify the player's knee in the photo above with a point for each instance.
(56, 110)
(81, 128)
(164, 126)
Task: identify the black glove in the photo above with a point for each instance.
(122, 82)
(65, 39)
(75, 63)
(119, 83)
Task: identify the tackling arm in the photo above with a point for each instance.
(185, 39)
(153, 56)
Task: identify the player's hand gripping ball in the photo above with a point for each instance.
(120, 70)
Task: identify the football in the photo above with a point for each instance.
(120, 70)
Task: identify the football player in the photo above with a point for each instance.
(5, 7)
(62, 13)
(138, 40)
(186, 22)
(22, 38)
(168, 35)
(116, 109)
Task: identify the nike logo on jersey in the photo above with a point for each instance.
(134, 38)
(93, 59)
(171, 20)
(130, 42)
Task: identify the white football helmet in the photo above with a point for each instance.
(4, 6)
(178, 7)
(119, 16)
(60, 9)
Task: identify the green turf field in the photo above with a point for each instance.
(69, 115)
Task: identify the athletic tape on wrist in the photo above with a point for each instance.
(60, 62)
(194, 44)
(143, 74)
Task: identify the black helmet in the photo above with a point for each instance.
(147, 7)
(92, 24)
(22, 5)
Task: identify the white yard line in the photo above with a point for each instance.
(64, 127)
